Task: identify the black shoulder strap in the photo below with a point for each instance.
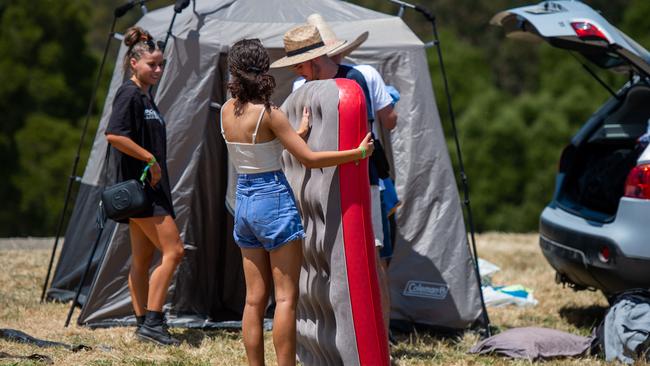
(104, 174)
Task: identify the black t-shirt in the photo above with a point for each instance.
(136, 116)
(347, 72)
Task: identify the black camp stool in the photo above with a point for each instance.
(101, 222)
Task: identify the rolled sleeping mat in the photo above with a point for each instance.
(339, 318)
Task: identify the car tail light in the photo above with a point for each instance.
(604, 254)
(588, 31)
(637, 184)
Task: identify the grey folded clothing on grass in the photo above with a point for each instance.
(534, 344)
(33, 357)
(14, 335)
(626, 327)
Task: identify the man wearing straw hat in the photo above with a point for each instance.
(307, 50)
(382, 101)
(306, 54)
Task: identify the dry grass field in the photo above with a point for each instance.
(23, 265)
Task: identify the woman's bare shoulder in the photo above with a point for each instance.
(277, 113)
(228, 106)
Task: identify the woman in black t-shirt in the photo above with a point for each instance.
(137, 131)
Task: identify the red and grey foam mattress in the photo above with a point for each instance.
(339, 318)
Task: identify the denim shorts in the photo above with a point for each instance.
(265, 212)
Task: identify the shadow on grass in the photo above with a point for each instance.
(413, 353)
(398, 337)
(229, 334)
(583, 317)
(420, 343)
(193, 337)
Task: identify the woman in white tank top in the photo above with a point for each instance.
(268, 228)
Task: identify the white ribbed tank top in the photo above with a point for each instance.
(249, 158)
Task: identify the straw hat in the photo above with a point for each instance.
(303, 43)
(329, 37)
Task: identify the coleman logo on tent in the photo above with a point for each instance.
(429, 290)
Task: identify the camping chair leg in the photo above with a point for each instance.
(83, 277)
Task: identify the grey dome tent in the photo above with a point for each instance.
(431, 274)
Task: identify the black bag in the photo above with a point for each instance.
(379, 160)
(125, 199)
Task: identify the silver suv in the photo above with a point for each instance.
(596, 230)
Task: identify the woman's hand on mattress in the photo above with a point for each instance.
(303, 129)
(368, 145)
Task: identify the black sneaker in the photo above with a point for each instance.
(156, 334)
(139, 320)
(154, 329)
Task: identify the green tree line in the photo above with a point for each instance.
(516, 105)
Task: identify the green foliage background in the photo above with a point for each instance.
(516, 105)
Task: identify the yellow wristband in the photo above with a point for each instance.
(363, 151)
(152, 161)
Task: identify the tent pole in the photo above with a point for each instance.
(461, 167)
(178, 8)
(169, 32)
(162, 46)
(73, 175)
(101, 222)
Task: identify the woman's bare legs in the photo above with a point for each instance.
(257, 273)
(163, 233)
(141, 255)
(285, 267)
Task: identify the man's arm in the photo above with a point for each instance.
(387, 117)
(383, 101)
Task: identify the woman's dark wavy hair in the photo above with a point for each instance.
(248, 63)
